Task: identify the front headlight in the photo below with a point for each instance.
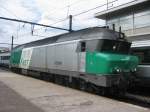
(117, 70)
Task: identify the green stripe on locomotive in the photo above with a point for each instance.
(107, 63)
(15, 57)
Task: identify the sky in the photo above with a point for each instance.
(49, 12)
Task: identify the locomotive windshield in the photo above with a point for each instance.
(104, 45)
(115, 46)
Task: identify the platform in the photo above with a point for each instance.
(25, 94)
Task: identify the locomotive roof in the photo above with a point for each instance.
(88, 33)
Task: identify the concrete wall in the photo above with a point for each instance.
(134, 23)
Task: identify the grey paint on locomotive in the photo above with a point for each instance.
(62, 58)
(55, 57)
(38, 58)
(105, 80)
(90, 33)
(50, 57)
(66, 56)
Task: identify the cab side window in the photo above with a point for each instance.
(83, 46)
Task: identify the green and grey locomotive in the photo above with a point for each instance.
(96, 56)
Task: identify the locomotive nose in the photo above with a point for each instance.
(110, 63)
(125, 64)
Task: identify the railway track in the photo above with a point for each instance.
(134, 99)
(138, 98)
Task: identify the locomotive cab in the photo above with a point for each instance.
(109, 60)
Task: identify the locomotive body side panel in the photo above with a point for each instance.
(62, 58)
(70, 57)
(50, 57)
(38, 59)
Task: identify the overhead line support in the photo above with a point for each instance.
(33, 23)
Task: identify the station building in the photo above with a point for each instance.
(133, 17)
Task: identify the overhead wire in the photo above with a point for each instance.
(86, 11)
(8, 43)
(81, 12)
(78, 1)
(67, 6)
(9, 12)
(12, 13)
(20, 19)
(94, 8)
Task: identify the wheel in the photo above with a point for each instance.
(82, 85)
(90, 87)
